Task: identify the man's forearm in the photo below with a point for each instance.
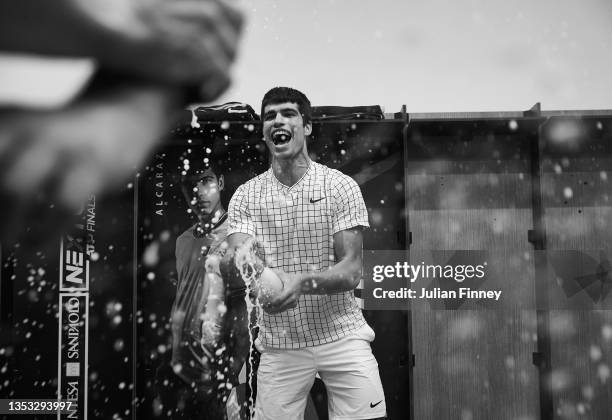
(229, 271)
(216, 296)
(242, 262)
(342, 277)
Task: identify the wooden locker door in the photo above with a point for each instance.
(472, 192)
(577, 197)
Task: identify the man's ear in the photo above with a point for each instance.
(308, 129)
(221, 182)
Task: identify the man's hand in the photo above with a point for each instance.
(290, 295)
(211, 331)
(91, 146)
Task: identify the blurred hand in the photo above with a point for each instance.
(156, 51)
(211, 331)
(289, 296)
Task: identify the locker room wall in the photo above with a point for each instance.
(577, 201)
(471, 185)
(468, 187)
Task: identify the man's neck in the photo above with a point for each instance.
(290, 171)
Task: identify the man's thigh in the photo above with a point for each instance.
(350, 373)
(284, 379)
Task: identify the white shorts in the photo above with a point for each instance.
(347, 367)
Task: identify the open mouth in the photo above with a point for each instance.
(281, 137)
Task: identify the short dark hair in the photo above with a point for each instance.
(198, 164)
(281, 94)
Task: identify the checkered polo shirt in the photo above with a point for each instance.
(296, 226)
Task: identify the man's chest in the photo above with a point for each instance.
(300, 209)
(195, 251)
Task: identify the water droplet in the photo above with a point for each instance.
(151, 254)
(595, 353)
(588, 392)
(164, 236)
(194, 120)
(606, 332)
(119, 345)
(603, 373)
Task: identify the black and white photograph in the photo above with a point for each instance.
(326, 210)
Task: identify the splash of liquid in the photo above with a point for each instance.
(250, 265)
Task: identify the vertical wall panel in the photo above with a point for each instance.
(578, 215)
(475, 363)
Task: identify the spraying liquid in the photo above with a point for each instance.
(250, 266)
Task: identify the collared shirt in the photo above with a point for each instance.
(296, 225)
(191, 295)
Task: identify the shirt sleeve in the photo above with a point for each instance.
(239, 215)
(349, 209)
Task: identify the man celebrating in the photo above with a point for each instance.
(308, 218)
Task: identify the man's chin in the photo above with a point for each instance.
(282, 152)
(203, 214)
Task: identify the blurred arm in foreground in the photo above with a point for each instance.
(152, 56)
